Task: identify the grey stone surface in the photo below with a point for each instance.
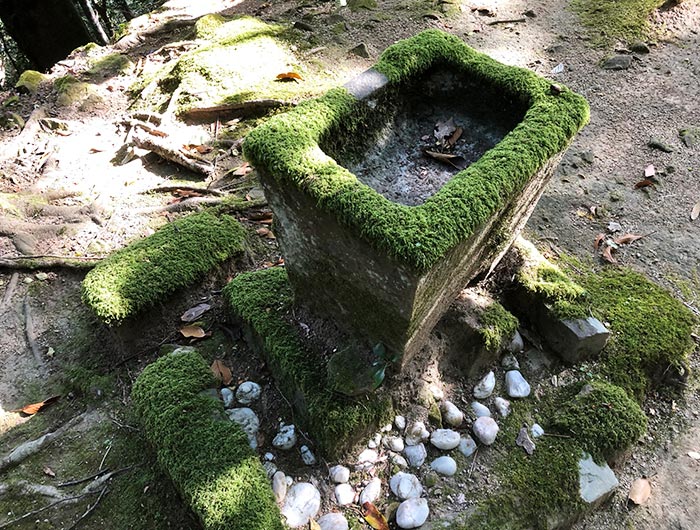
(502, 406)
(227, 397)
(444, 465)
(366, 84)
(484, 388)
(412, 513)
(339, 474)
(405, 486)
(510, 362)
(415, 454)
(516, 344)
(417, 433)
(480, 410)
(576, 340)
(451, 414)
(279, 486)
(248, 421)
(333, 521)
(285, 438)
(344, 494)
(307, 455)
(467, 446)
(485, 429)
(248, 392)
(371, 491)
(516, 385)
(618, 62)
(444, 439)
(596, 483)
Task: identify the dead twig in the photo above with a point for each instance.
(30, 332)
(42, 509)
(90, 509)
(48, 262)
(81, 480)
(471, 468)
(507, 21)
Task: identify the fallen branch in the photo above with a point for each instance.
(90, 509)
(170, 189)
(163, 148)
(10, 290)
(30, 332)
(242, 109)
(81, 480)
(27, 449)
(507, 21)
(42, 509)
(48, 262)
(193, 203)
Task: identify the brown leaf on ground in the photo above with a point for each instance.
(193, 331)
(32, 409)
(643, 184)
(374, 517)
(455, 161)
(607, 255)
(221, 372)
(627, 238)
(523, 440)
(193, 313)
(240, 171)
(201, 149)
(640, 491)
(289, 76)
(262, 231)
(695, 212)
(313, 525)
(598, 240)
(452, 140)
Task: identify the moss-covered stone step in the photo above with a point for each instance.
(206, 455)
(263, 302)
(147, 270)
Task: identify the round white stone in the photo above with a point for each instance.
(400, 422)
(279, 486)
(227, 397)
(444, 465)
(333, 521)
(371, 491)
(451, 414)
(399, 461)
(484, 387)
(394, 443)
(502, 406)
(339, 474)
(307, 456)
(516, 344)
(405, 486)
(536, 430)
(344, 494)
(302, 504)
(417, 433)
(444, 439)
(412, 513)
(286, 438)
(415, 454)
(248, 392)
(485, 429)
(366, 459)
(480, 410)
(248, 421)
(516, 385)
(467, 446)
(437, 392)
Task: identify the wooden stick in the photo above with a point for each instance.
(169, 189)
(507, 21)
(164, 149)
(90, 509)
(48, 262)
(47, 507)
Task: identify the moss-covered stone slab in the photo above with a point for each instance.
(262, 301)
(206, 455)
(147, 270)
(30, 80)
(388, 269)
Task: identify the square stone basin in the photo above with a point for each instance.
(380, 237)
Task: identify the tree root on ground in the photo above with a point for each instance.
(33, 263)
(165, 149)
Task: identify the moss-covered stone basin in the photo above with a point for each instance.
(389, 270)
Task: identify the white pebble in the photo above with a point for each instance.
(366, 459)
(437, 392)
(480, 410)
(269, 457)
(307, 456)
(444, 465)
(415, 454)
(344, 494)
(399, 461)
(417, 433)
(248, 392)
(516, 385)
(279, 486)
(394, 443)
(339, 474)
(485, 429)
(444, 439)
(405, 486)
(227, 397)
(451, 414)
(467, 446)
(371, 491)
(412, 513)
(302, 504)
(333, 521)
(400, 423)
(536, 430)
(516, 344)
(286, 438)
(502, 406)
(484, 387)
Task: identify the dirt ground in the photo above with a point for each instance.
(102, 205)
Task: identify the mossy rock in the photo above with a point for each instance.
(72, 91)
(147, 270)
(206, 455)
(109, 65)
(498, 326)
(611, 20)
(30, 80)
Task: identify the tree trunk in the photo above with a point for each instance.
(45, 30)
(93, 19)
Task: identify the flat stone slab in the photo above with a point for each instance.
(596, 483)
(574, 340)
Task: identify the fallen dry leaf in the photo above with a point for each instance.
(643, 184)
(452, 140)
(598, 240)
(193, 331)
(627, 238)
(695, 213)
(193, 313)
(444, 129)
(241, 171)
(640, 491)
(262, 231)
(32, 409)
(374, 517)
(289, 76)
(455, 161)
(49, 472)
(649, 171)
(221, 372)
(607, 255)
(201, 149)
(313, 525)
(694, 455)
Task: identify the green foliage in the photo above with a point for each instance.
(262, 299)
(178, 254)
(287, 147)
(498, 325)
(610, 20)
(206, 455)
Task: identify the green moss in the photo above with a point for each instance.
(72, 91)
(611, 20)
(30, 80)
(206, 455)
(601, 417)
(112, 64)
(287, 147)
(178, 254)
(262, 299)
(497, 326)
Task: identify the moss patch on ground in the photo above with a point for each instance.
(144, 272)
(610, 20)
(497, 326)
(263, 299)
(205, 454)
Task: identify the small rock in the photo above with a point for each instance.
(415, 454)
(360, 50)
(248, 421)
(307, 456)
(399, 461)
(270, 468)
(639, 47)
(248, 392)
(286, 438)
(41, 276)
(366, 459)
(618, 62)
(509, 362)
(614, 226)
(445, 465)
(333, 521)
(405, 486)
(400, 423)
(386, 428)
(444, 439)
(596, 483)
(394, 443)
(339, 474)
(371, 491)
(344, 494)
(227, 397)
(302, 504)
(516, 385)
(303, 26)
(279, 486)
(416, 434)
(480, 410)
(451, 414)
(655, 143)
(484, 388)
(502, 406)
(269, 457)
(536, 430)
(372, 444)
(485, 429)
(523, 440)
(467, 446)
(436, 392)
(412, 513)
(516, 344)
(587, 156)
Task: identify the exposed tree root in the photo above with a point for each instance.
(30, 332)
(244, 109)
(33, 263)
(170, 189)
(170, 152)
(10, 290)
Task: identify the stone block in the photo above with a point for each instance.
(574, 340)
(596, 483)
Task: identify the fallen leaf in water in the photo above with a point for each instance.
(598, 240)
(193, 331)
(452, 140)
(313, 525)
(49, 472)
(374, 517)
(694, 455)
(193, 313)
(643, 184)
(695, 213)
(221, 372)
(649, 171)
(32, 409)
(455, 161)
(607, 255)
(444, 129)
(627, 238)
(640, 491)
(289, 76)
